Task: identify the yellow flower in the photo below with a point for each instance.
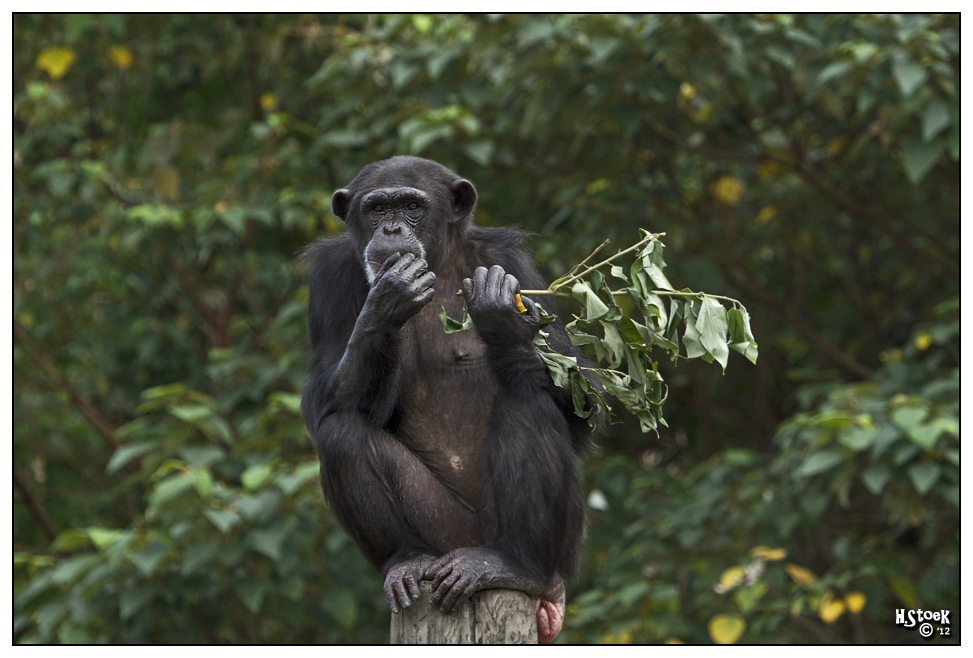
(768, 169)
(766, 214)
(837, 145)
(831, 608)
(726, 629)
(769, 554)
(730, 579)
(800, 575)
(728, 189)
(625, 637)
(120, 56)
(855, 602)
(56, 60)
(923, 340)
(268, 101)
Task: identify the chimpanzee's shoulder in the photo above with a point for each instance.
(503, 238)
(329, 250)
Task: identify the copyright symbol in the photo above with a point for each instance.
(925, 630)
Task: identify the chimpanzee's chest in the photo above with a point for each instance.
(446, 399)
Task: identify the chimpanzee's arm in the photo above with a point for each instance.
(533, 504)
(354, 364)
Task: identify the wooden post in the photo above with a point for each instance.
(493, 616)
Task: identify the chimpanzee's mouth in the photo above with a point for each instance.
(376, 259)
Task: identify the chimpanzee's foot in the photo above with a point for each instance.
(550, 618)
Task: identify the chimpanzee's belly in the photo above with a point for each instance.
(446, 400)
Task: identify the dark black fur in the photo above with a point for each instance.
(393, 410)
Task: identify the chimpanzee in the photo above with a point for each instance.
(447, 457)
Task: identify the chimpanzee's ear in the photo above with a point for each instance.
(339, 203)
(464, 198)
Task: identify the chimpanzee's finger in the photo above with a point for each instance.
(495, 281)
(400, 594)
(445, 588)
(426, 280)
(387, 265)
(390, 598)
(460, 595)
(407, 259)
(510, 287)
(467, 290)
(442, 571)
(479, 280)
(535, 315)
(413, 587)
(416, 269)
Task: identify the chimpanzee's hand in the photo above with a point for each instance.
(459, 574)
(402, 287)
(402, 581)
(490, 298)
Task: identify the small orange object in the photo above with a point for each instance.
(520, 303)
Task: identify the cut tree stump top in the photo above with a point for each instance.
(493, 616)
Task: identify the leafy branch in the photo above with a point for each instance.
(619, 328)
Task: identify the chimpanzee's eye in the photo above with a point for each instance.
(378, 208)
(412, 206)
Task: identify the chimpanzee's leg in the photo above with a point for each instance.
(397, 511)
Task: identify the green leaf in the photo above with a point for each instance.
(133, 599)
(690, 339)
(834, 70)
(594, 307)
(711, 324)
(104, 537)
(224, 520)
(909, 76)
(197, 555)
(856, 438)
(291, 482)
(191, 413)
(653, 264)
(918, 157)
(875, 477)
(256, 476)
(70, 569)
(480, 152)
(451, 326)
(251, 593)
(260, 507)
(270, 540)
(71, 540)
(171, 488)
(923, 476)
(127, 452)
(341, 604)
(819, 462)
(148, 560)
(909, 416)
(935, 119)
(741, 336)
(201, 456)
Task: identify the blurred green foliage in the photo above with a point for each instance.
(168, 169)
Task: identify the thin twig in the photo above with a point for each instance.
(92, 413)
(647, 239)
(617, 293)
(35, 507)
(590, 256)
